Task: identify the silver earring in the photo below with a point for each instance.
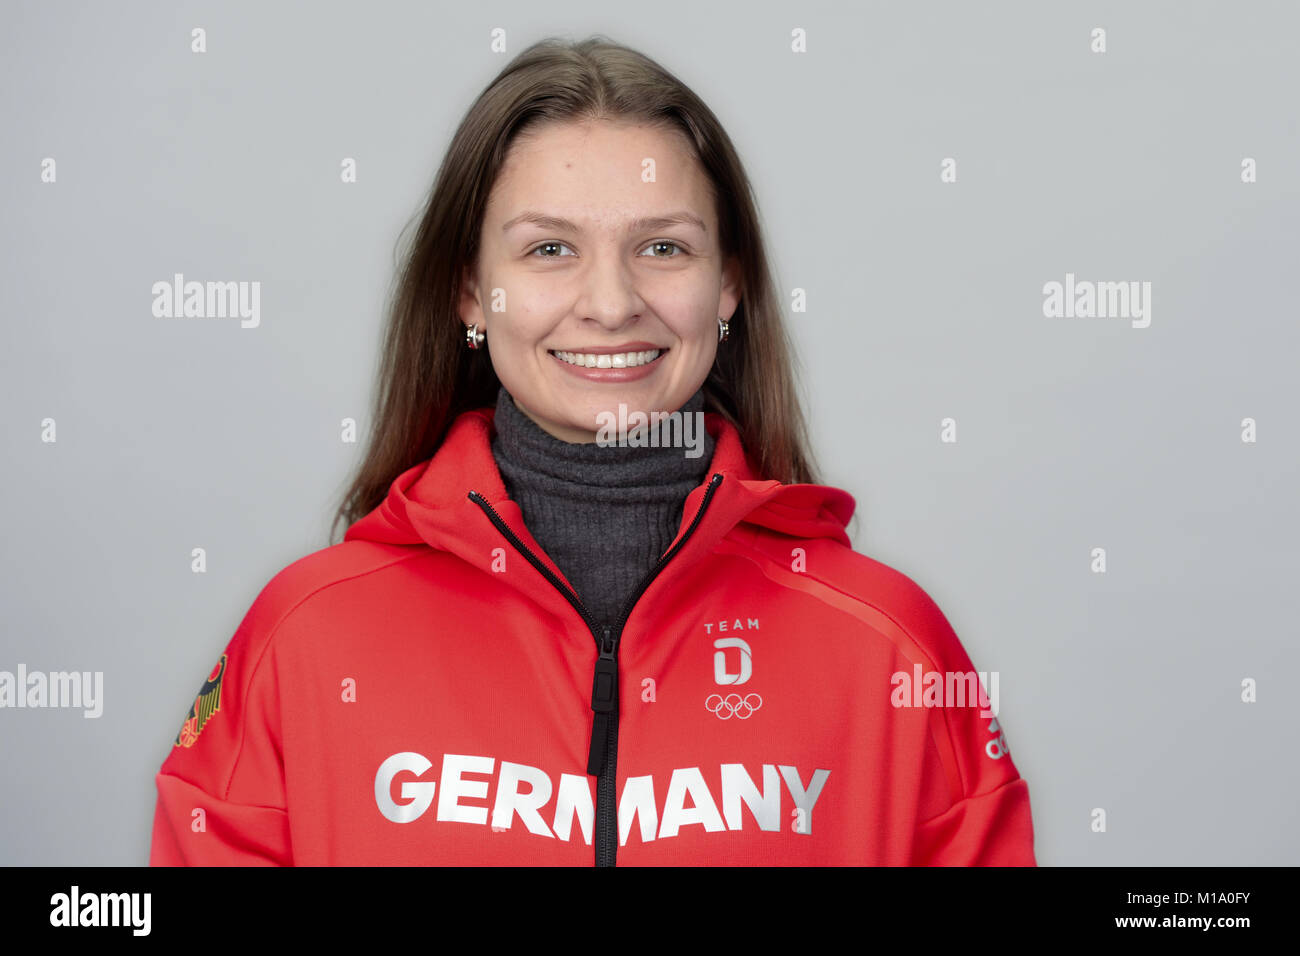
(474, 338)
(724, 329)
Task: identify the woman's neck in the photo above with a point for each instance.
(603, 513)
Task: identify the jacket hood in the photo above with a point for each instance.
(429, 502)
(430, 505)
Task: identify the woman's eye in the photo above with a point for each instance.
(550, 245)
(664, 242)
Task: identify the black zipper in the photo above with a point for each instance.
(602, 756)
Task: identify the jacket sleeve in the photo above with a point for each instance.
(221, 796)
(234, 834)
(974, 809)
(990, 829)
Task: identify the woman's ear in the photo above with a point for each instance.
(732, 280)
(468, 304)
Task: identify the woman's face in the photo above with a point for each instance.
(583, 262)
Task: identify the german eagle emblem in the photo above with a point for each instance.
(207, 703)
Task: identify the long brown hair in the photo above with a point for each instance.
(427, 376)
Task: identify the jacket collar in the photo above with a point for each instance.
(430, 504)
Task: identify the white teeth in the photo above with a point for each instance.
(609, 360)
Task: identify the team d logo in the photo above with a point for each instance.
(740, 706)
(207, 703)
(721, 675)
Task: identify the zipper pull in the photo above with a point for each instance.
(604, 702)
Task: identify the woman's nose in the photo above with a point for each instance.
(610, 296)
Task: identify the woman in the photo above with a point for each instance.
(548, 640)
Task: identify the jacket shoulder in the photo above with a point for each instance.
(967, 752)
(237, 702)
(330, 566)
(297, 583)
(857, 583)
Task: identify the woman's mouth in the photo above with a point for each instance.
(607, 365)
(608, 359)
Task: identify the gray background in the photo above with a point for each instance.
(1118, 691)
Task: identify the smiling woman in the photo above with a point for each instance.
(600, 240)
(636, 651)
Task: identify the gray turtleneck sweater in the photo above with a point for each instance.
(603, 514)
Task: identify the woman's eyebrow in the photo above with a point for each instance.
(636, 225)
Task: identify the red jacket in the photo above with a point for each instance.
(429, 691)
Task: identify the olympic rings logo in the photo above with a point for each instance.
(733, 705)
